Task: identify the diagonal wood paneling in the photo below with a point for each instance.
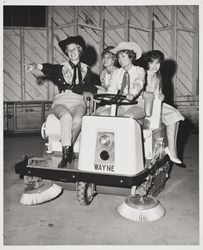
(162, 42)
(12, 90)
(89, 15)
(114, 15)
(63, 15)
(11, 68)
(139, 37)
(35, 49)
(162, 16)
(184, 61)
(115, 36)
(12, 74)
(162, 39)
(90, 35)
(12, 77)
(185, 16)
(139, 16)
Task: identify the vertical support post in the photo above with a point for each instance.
(174, 45)
(42, 112)
(151, 27)
(195, 53)
(22, 62)
(127, 23)
(14, 117)
(50, 49)
(76, 9)
(101, 35)
(6, 114)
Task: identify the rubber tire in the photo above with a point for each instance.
(43, 131)
(85, 192)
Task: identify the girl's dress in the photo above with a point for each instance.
(169, 114)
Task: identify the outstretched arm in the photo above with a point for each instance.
(46, 68)
(31, 66)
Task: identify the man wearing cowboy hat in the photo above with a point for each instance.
(128, 80)
(72, 79)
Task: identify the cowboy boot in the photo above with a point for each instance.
(67, 156)
(171, 150)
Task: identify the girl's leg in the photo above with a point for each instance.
(65, 117)
(171, 118)
(77, 112)
(172, 131)
(135, 112)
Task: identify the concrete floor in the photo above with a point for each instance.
(64, 221)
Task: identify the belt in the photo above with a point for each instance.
(66, 87)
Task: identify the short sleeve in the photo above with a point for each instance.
(139, 81)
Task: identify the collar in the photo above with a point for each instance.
(78, 65)
(131, 68)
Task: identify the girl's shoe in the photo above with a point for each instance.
(67, 156)
(173, 159)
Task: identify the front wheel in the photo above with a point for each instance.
(85, 192)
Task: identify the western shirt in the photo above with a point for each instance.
(137, 81)
(62, 76)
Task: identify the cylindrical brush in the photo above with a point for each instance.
(138, 208)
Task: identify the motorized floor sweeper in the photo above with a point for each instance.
(111, 151)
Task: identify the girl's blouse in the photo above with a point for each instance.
(106, 78)
(154, 83)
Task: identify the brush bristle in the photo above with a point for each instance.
(135, 214)
(40, 196)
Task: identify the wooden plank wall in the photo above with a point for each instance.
(177, 39)
(139, 27)
(23, 46)
(35, 45)
(186, 37)
(12, 67)
(172, 29)
(162, 38)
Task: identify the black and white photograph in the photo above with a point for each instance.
(100, 124)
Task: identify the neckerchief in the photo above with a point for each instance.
(76, 69)
(125, 82)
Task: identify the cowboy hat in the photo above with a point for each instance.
(128, 46)
(72, 39)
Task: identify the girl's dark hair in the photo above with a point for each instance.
(151, 56)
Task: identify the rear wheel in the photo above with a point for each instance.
(85, 192)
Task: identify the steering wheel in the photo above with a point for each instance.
(109, 99)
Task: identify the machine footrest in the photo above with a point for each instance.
(69, 175)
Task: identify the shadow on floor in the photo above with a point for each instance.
(185, 129)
